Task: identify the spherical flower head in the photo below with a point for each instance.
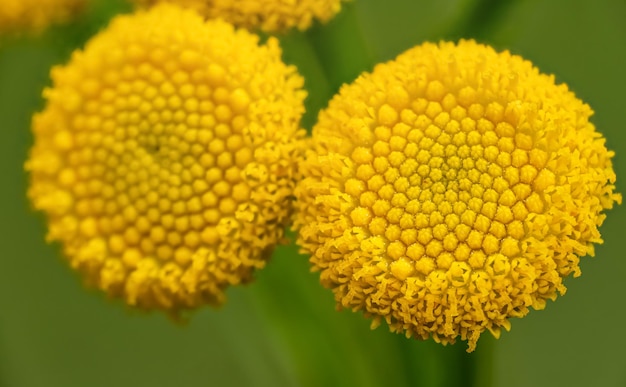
(164, 157)
(451, 189)
(35, 15)
(266, 15)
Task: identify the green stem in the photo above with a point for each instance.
(341, 47)
(431, 364)
(483, 361)
(298, 51)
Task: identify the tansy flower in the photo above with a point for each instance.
(451, 189)
(266, 15)
(164, 157)
(35, 15)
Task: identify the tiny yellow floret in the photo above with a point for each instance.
(451, 189)
(35, 15)
(165, 157)
(265, 15)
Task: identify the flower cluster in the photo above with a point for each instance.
(451, 189)
(266, 15)
(164, 158)
(35, 15)
(445, 192)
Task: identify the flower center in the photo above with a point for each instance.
(446, 186)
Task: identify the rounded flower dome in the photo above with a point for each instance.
(451, 189)
(164, 157)
(266, 15)
(36, 15)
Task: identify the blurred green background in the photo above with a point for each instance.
(283, 329)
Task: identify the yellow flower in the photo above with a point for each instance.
(36, 15)
(164, 157)
(266, 15)
(450, 189)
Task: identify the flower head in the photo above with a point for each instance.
(266, 15)
(451, 189)
(164, 157)
(36, 15)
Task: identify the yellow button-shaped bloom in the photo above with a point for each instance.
(164, 157)
(451, 189)
(35, 15)
(265, 15)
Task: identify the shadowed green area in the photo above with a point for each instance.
(283, 329)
